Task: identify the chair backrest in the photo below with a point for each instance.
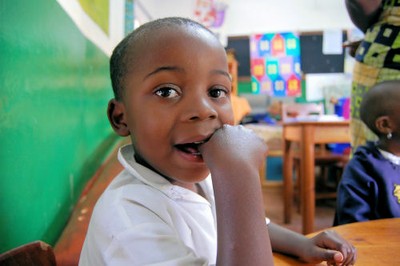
(293, 110)
(35, 253)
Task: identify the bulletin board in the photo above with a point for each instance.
(241, 46)
(313, 60)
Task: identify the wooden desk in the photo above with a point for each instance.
(377, 243)
(307, 134)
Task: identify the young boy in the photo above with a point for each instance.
(370, 185)
(190, 192)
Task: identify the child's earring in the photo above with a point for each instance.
(389, 135)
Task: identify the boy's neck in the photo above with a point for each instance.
(389, 146)
(194, 187)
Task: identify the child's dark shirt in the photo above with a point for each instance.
(369, 188)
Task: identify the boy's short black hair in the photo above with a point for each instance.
(380, 100)
(121, 57)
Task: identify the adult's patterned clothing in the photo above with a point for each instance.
(377, 60)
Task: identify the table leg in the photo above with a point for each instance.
(307, 169)
(287, 182)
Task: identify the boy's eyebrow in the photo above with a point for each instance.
(219, 72)
(179, 69)
(164, 68)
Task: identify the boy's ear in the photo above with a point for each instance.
(116, 116)
(383, 124)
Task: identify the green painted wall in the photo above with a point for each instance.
(53, 130)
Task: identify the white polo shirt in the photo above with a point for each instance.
(141, 218)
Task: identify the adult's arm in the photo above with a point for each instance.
(363, 13)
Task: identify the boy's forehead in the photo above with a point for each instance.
(176, 33)
(168, 39)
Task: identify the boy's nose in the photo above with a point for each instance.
(200, 109)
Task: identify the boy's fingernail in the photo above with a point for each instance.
(338, 257)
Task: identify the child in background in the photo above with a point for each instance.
(190, 191)
(370, 185)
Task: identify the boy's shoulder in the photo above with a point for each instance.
(368, 161)
(368, 152)
(365, 159)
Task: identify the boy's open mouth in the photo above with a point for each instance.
(191, 148)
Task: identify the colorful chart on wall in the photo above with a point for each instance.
(275, 64)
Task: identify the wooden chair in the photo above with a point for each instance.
(31, 254)
(324, 158)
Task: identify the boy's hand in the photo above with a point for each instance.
(331, 247)
(234, 146)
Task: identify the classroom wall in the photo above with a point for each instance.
(245, 17)
(264, 16)
(53, 129)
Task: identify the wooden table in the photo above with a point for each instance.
(377, 243)
(307, 134)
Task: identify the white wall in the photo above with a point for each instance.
(245, 17)
(260, 16)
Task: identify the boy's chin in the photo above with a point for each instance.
(194, 176)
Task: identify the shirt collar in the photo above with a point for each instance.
(390, 157)
(151, 178)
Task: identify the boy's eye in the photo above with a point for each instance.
(218, 92)
(167, 92)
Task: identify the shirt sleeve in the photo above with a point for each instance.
(355, 194)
